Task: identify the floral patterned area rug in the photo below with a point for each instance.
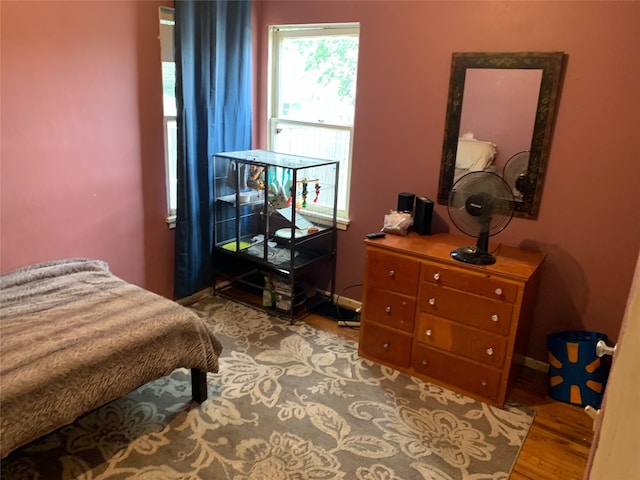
(290, 402)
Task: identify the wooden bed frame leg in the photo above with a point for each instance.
(198, 385)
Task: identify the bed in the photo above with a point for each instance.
(74, 337)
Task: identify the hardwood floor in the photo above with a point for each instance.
(559, 441)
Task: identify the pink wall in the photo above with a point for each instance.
(82, 148)
(589, 224)
(82, 170)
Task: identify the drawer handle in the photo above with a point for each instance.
(436, 276)
(432, 301)
(386, 346)
(484, 383)
(489, 351)
(498, 291)
(392, 273)
(424, 362)
(494, 317)
(388, 309)
(428, 332)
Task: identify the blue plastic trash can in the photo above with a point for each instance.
(576, 374)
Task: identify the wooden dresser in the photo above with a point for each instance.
(461, 326)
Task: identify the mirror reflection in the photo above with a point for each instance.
(499, 119)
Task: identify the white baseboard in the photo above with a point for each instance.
(344, 302)
(196, 296)
(348, 323)
(348, 303)
(534, 364)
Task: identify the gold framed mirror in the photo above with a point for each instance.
(504, 104)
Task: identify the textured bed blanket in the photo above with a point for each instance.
(73, 337)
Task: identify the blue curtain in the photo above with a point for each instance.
(213, 92)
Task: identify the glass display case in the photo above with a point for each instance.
(275, 229)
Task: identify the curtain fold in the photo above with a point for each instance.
(213, 93)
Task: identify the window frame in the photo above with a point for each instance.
(276, 33)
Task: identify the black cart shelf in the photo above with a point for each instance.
(275, 229)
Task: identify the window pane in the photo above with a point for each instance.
(172, 161)
(318, 142)
(313, 96)
(169, 88)
(167, 25)
(317, 79)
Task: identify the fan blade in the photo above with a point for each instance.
(481, 204)
(503, 206)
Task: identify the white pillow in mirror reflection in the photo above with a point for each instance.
(475, 155)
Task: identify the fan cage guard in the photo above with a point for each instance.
(515, 173)
(480, 205)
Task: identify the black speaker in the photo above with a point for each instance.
(405, 202)
(423, 216)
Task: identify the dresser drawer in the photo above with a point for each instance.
(452, 370)
(387, 345)
(487, 348)
(480, 312)
(476, 283)
(392, 272)
(389, 308)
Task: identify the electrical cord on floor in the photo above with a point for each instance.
(341, 321)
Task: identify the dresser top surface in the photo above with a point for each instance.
(510, 261)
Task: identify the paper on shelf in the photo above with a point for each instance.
(301, 222)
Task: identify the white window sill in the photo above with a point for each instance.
(342, 223)
(322, 219)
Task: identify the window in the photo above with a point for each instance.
(167, 24)
(313, 71)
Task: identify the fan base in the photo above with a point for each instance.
(473, 255)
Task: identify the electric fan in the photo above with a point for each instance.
(515, 174)
(480, 205)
